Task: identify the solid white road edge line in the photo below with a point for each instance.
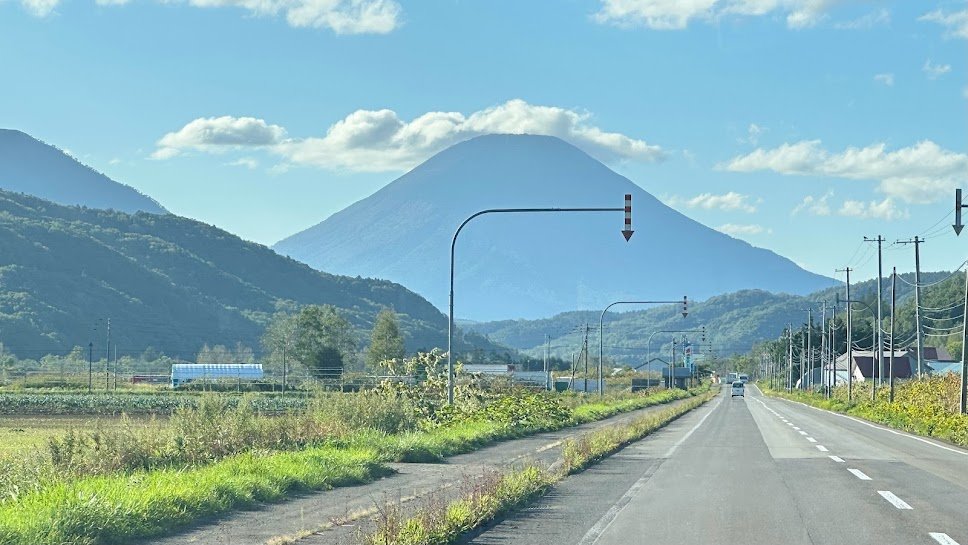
(595, 532)
(859, 474)
(942, 538)
(895, 501)
(877, 427)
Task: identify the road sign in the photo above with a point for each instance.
(627, 232)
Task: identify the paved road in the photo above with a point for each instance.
(758, 470)
(312, 512)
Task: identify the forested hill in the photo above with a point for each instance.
(166, 282)
(734, 321)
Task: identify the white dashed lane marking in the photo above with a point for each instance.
(822, 448)
(859, 474)
(942, 538)
(811, 439)
(894, 500)
(837, 459)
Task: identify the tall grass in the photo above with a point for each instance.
(112, 484)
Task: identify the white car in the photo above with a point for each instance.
(739, 389)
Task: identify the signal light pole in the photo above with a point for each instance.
(626, 232)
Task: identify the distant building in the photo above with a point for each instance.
(183, 373)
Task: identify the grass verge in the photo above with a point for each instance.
(927, 407)
(495, 494)
(118, 508)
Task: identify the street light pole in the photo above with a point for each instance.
(626, 232)
(601, 331)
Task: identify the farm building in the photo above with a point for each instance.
(182, 373)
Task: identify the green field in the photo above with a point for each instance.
(23, 432)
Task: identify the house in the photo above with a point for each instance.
(864, 365)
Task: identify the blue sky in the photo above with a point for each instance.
(797, 125)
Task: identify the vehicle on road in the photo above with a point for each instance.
(744, 378)
(738, 389)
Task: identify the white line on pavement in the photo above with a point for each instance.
(859, 474)
(837, 459)
(694, 428)
(801, 432)
(882, 428)
(822, 448)
(811, 439)
(895, 501)
(796, 428)
(942, 538)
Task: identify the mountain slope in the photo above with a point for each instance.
(532, 265)
(166, 282)
(30, 166)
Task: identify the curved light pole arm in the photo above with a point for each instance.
(453, 245)
(601, 333)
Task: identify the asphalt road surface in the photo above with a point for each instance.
(757, 470)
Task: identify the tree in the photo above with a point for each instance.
(278, 342)
(325, 342)
(386, 341)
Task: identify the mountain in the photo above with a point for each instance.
(529, 265)
(734, 322)
(30, 166)
(166, 282)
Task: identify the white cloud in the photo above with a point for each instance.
(40, 8)
(873, 19)
(753, 133)
(246, 162)
(114, 161)
(818, 206)
(378, 140)
(884, 210)
(678, 14)
(213, 134)
(920, 173)
(340, 16)
(709, 201)
(734, 229)
(654, 14)
(935, 71)
(955, 22)
(887, 79)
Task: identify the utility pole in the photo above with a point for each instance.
(890, 377)
(90, 367)
(808, 350)
(790, 361)
(850, 340)
(584, 347)
(833, 353)
(823, 342)
(546, 352)
(964, 325)
(917, 299)
(107, 359)
(672, 366)
(879, 348)
(964, 345)
(803, 361)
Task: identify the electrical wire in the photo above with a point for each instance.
(937, 223)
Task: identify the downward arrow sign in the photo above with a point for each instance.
(958, 206)
(627, 232)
